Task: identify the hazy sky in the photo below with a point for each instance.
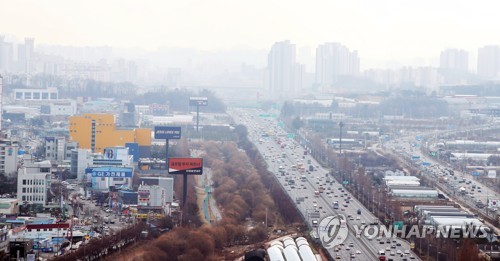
(381, 30)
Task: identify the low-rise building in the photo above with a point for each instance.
(8, 156)
(9, 206)
(58, 149)
(151, 202)
(167, 183)
(33, 182)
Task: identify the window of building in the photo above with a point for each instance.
(53, 96)
(36, 95)
(44, 170)
(27, 95)
(24, 182)
(24, 190)
(19, 95)
(45, 96)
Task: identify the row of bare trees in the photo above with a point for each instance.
(240, 195)
(99, 247)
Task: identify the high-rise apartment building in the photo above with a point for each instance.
(454, 66)
(334, 60)
(454, 59)
(284, 74)
(6, 55)
(488, 62)
(29, 45)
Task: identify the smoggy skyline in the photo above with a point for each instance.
(384, 32)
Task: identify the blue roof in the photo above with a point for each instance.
(43, 222)
(127, 191)
(19, 221)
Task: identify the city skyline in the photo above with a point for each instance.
(386, 34)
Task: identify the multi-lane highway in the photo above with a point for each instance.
(457, 184)
(314, 191)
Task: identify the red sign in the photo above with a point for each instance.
(190, 166)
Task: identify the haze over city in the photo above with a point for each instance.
(265, 130)
(386, 33)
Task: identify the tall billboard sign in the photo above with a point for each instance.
(167, 132)
(185, 167)
(188, 166)
(198, 101)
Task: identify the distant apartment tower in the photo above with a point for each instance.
(6, 55)
(488, 62)
(25, 53)
(334, 60)
(174, 77)
(454, 66)
(284, 74)
(454, 59)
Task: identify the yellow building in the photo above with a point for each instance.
(98, 131)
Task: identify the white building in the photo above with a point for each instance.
(284, 73)
(488, 62)
(80, 159)
(8, 156)
(454, 59)
(105, 177)
(33, 182)
(166, 183)
(58, 149)
(9, 206)
(151, 196)
(334, 60)
(59, 108)
(36, 94)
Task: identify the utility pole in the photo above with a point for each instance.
(341, 124)
(266, 218)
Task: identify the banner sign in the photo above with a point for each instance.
(198, 101)
(112, 172)
(191, 166)
(167, 132)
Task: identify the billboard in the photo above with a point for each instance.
(116, 153)
(492, 174)
(191, 166)
(167, 132)
(111, 172)
(198, 101)
(110, 153)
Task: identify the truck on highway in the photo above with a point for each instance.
(335, 205)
